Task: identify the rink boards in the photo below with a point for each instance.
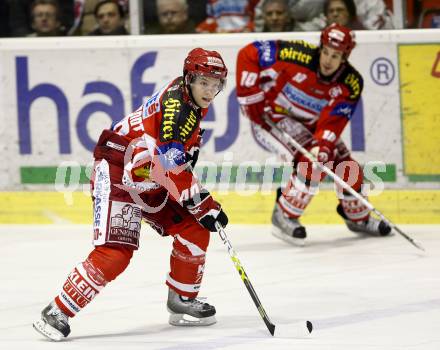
(56, 96)
(55, 106)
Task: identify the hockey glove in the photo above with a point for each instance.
(207, 212)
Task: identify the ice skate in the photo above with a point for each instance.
(286, 228)
(54, 324)
(189, 311)
(371, 226)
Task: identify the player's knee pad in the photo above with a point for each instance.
(351, 172)
(182, 225)
(192, 237)
(308, 172)
(111, 261)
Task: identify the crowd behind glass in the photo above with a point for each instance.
(41, 18)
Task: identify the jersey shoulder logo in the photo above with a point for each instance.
(179, 119)
(299, 52)
(171, 108)
(188, 123)
(152, 105)
(266, 52)
(352, 79)
(344, 109)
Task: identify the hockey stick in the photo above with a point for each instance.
(244, 277)
(283, 135)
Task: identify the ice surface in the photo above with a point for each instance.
(360, 293)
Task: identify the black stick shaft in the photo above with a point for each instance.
(244, 277)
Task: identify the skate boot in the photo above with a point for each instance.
(189, 311)
(54, 324)
(371, 226)
(286, 228)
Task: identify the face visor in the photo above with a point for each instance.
(207, 82)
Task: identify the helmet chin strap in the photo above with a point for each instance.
(333, 76)
(187, 85)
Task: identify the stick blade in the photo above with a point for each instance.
(300, 329)
(271, 328)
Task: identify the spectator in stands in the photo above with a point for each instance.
(109, 15)
(228, 16)
(342, 12)
(196, 12)
(373, 14)
(173, 18)
(85, 20)
(20, 19)
(307, 15)
(276, 16)
(45, 16)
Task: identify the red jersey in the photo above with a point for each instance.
(160, 135)
(283, 76)
(228, 16)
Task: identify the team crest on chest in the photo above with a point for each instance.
(335, 91)
(300, 77)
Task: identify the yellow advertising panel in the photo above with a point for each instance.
(400, 206)
(420, 103)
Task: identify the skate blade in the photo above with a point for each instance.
(184, 320)
(48, 331)
(362, 233)
(369, 234)
(276, 232)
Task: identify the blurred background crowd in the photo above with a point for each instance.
(38, 18)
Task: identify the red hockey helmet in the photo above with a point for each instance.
(205, 62)
(339, 38)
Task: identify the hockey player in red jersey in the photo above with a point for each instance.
(311, 93)
(144, 170)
